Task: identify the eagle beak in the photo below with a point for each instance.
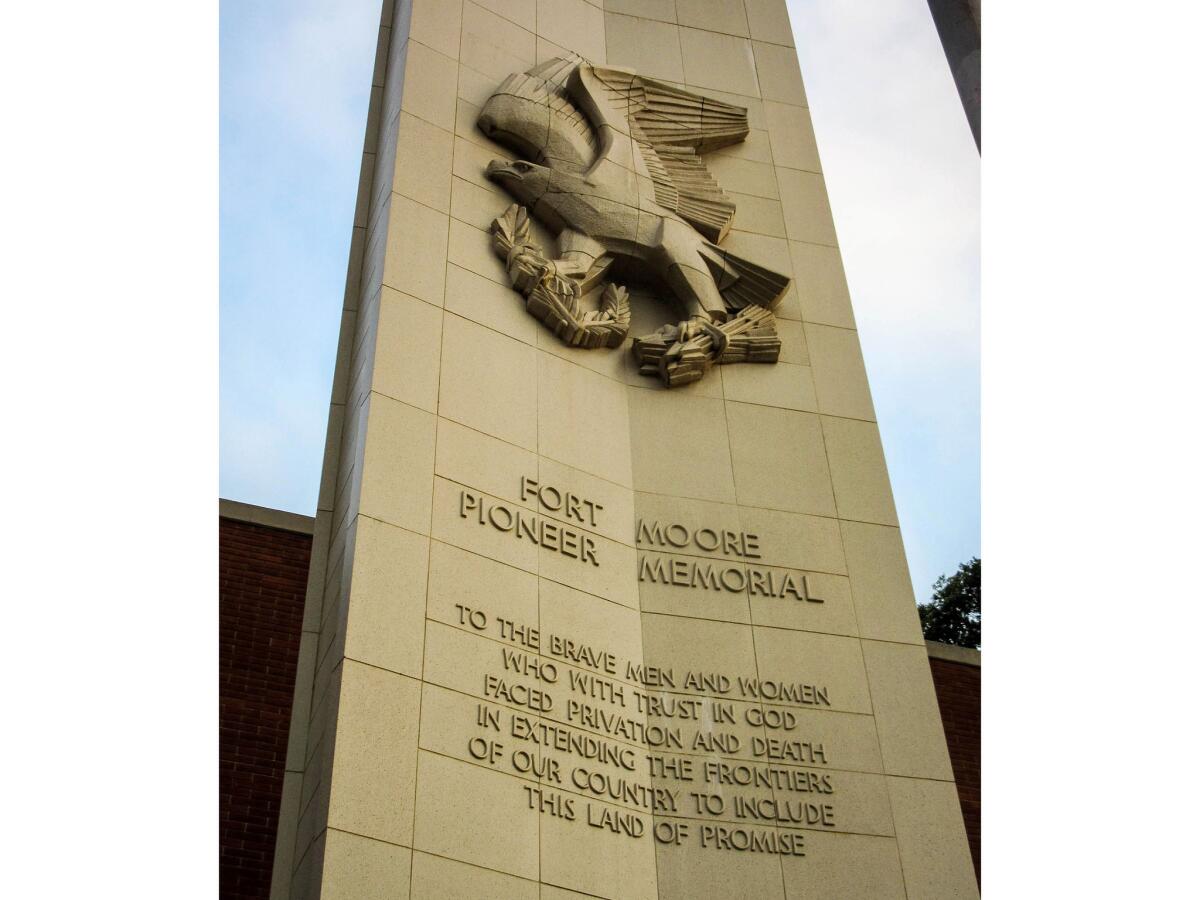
(499, 169)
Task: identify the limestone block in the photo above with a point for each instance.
(651, 47)
(436, 24)
(860, 481)
(932, 839)
(779, 74)
(583, 420)
(806, 213)
(429, 85)
(386, 621)
(375, 756)
(451, 793)
(483, 301)
(360, 868)
(793, 143)
(423, 154)
(661, 421)
(882, 586)
(415, 261)
(758, 215)
(795, 344)
(408, 347)
(589, 620)
(839, 374)
(697, 645)
(596, 860)
(481, 462)
(782, 385)
(658, 10)
(398, 465)
(692, 871)
(828, 607)
(820, 283)
(768, 20)
(779, 459)
(615, 521)
(521, 12)
(456, 512)
(830, 662)
(718, 61)
(575, 25)
(906, 711)
(494, 46)
(845, 865)
(796, 541)
(725, 16)
(438, 878)
(460, 578)
(486, 382)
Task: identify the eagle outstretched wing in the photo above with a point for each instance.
(604, 114)
(668, 128)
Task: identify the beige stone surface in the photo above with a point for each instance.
(613, 521)
(521, 12)
(436, 24)
(821, 292)
(779, 74)
(423, 154)
(795, 540)
(488, 382)
(882, 586)
(769, 21)
(494, 46)
(860, 482)
(651, 47)
(415, 261)
(689, 871)
(725, 16)
(819, 659)
(839, 375)
(793, 143)
(408, 350)
(360, 868)
(718, 61)
(806, 213)
(587, 619)
(489, 304)
(386, 622)
(450, 794)
(575, 25)
(458, 577)
(835, 613)
(659, 10)
(781, 385)
(658, 595)
(932, 841)
(911, 738)
(438, 878)
(661, 422)
(396, 461)
(429, 85)
(845, 865)
(465, 532)
(779, 459)
(583, 420)
(697, 645)
(615, 578)
(375, 755)
(480, 462)
(597, 861)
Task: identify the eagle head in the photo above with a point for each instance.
(526, 181)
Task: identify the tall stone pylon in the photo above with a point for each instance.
(608, 596)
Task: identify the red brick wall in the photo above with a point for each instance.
(957, 686)
(263, 574)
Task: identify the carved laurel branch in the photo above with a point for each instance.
(552, 298)
(680, 354)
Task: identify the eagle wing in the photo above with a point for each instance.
(660, 131)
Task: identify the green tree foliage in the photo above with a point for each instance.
(953, 614)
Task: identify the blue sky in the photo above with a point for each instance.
(903, 179)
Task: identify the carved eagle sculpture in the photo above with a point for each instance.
(611, 163)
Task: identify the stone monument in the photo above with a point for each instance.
(586, 619)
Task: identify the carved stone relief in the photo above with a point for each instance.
(612, 163)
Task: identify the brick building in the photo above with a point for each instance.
(264, 557)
